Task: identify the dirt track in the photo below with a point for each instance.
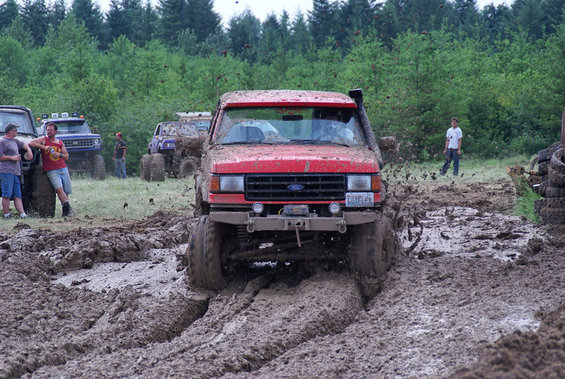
(113, 302)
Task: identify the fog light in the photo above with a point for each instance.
(258, 208)
(335, 208)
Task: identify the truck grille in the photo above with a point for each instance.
(78, 143)
(282, 187)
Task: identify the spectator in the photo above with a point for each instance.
(452, 149)
(54, 154)
(119, 156)
(11, 169)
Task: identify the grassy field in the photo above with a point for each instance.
(103, 203)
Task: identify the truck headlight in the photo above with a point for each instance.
(226, 184)
(97, 142)
(364, 182)
(358, 182)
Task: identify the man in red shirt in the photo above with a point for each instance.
(54, 154)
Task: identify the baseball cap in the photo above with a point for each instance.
(10, 126)
(119, 134)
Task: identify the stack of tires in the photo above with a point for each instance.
(552, 207)
(541, 181)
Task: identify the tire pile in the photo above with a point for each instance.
(551, 172)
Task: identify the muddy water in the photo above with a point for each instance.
(75, 304)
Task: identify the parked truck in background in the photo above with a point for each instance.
(289, 176)
(176, 147)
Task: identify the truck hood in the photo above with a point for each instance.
(235, 159)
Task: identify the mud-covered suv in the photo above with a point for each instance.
(176, 147)
(84, 147)
(286, 176)
(38, 195)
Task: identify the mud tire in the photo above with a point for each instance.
(539, 204)
(554, 216)
(157, 168)
(371, 253)
(557, 163)
(546, 154)
(552, 191)
(43, 196)
(144, 165)
(555, 202)
(543, 167)
(188, 167)
(204, 255)
(99, 168)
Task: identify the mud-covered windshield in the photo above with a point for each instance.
(180, 129)
(18, 117)
(290, 125)
(72, 127)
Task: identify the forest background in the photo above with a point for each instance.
(499, 69)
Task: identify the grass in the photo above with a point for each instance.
(103, 202)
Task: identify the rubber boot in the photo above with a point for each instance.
(67, 211)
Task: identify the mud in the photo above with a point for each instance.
(475, 293)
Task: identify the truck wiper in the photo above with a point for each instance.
(317, 142)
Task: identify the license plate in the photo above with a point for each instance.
(359, 199)
(295, 210)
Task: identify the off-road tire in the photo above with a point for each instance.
(43, 196)
(188, 167)
(372, 248)
(554, 216)
(157, 168)
(546, 154)
(552, 191)
(539, 204)
(144, 165)
(204, 255)
(543, 167)
(556, 179)
(555, 202)
(557, 163)
(98, 168)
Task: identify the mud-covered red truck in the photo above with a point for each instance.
(286, 176)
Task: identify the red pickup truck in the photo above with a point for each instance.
(289, 175)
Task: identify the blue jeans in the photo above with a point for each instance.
(451, 156)
(60, 178)
(120, 168)
(10, 186)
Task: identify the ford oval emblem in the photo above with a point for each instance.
(295, 187)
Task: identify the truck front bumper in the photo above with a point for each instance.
(308, 222)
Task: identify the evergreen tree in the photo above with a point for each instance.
(8, 12)
(115, 20)
(270, 39)
(57, 13)
(243, 33)
(36, 20)
(173, 19)
(149, 21)
(323, 21)
(527, 15)
(202, 20)
(90, 15)
(18, 31)
(356, 17)
(300, 37)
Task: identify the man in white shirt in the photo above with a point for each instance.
(452, 149)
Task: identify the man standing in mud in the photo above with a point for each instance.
(452, 149)
(54, 154)
(11, 169)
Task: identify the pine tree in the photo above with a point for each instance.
(202, 20)
(8, 12)
(244, 33)
(90, 15)
(36, 20)
(323, 21)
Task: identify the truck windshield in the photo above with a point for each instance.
(181, 129)
(20, 118)
(72, 127)
(290, 125)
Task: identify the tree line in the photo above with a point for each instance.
(499, 69)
